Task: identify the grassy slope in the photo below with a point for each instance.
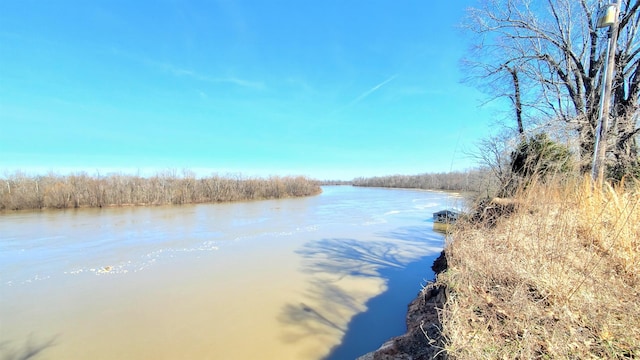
(559, 278)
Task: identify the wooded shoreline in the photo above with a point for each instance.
(52, 191)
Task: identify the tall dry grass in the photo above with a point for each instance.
(557, 279)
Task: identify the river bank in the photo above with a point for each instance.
(555, 274)
(52, 191)
(423, 339)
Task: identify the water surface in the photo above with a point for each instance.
(320, 277)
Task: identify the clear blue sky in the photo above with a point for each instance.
(329, 89)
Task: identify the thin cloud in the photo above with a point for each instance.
(177, 71)
(420, 90)
(300, 84)
(183, 72)
(241, 82)
(365, 94)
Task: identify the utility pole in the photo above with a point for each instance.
(608, 18)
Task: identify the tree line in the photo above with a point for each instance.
(479, 181)
(21, 191)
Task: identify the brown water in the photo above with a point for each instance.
(321, 277)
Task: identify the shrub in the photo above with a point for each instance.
(540, 156)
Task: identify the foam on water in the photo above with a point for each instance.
(155, 279)
(90, 261)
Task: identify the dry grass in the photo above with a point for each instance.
(558, 279)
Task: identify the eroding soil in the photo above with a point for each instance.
(422, 340)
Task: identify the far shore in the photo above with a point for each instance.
(21, 192)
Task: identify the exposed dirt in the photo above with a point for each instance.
(422, 340)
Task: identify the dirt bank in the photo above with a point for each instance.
(422, 340)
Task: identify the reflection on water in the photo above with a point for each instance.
(322, 277)
(374, 279)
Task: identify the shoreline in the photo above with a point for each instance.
(423, 339)
(141, 205)
(21, 192)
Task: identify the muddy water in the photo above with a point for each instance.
(321, 277)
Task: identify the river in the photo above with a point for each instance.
(323, 277)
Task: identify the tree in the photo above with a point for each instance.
(556, 52)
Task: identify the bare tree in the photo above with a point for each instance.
(556, 52)
(478, 181)
(21, 191)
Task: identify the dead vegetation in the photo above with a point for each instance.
(19, 191)
(559, 278)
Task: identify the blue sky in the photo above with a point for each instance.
(328, 89)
